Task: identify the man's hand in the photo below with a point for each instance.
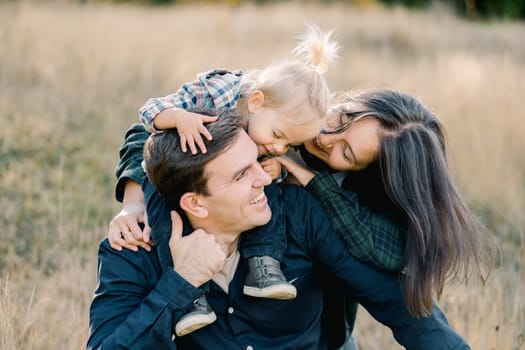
(196, 257)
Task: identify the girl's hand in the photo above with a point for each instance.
(301, 174)
(272, 167)
(190, 127)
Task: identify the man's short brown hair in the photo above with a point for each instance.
(173, 172)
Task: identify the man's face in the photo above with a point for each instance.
(236, 185)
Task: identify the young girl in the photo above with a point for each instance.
(281, 105)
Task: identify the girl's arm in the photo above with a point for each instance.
(213, 89)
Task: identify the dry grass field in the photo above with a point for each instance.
(72, 78)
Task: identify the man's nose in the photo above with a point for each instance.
(262, 179)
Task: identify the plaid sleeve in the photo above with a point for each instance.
(213, 89)
(189, 95)
(223, 86)
(129, 166)
(370, 237)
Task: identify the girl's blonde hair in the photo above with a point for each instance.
(296, 87)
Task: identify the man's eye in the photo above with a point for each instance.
(240, 176)
(277, 136)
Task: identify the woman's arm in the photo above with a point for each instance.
(370, 237)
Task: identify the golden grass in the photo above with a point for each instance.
(72, 78)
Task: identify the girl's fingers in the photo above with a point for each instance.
(201, 144)
(204, 131)
(191, 144)
(183, 143)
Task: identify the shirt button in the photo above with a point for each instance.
(249, 347)
(230, 311)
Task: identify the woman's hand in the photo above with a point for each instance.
(124, 228)
(125, 231)
(302, 175)
(272, 167)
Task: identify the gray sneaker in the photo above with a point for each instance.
(266, 280)
(200, 316)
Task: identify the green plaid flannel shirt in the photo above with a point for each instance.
(370, 237)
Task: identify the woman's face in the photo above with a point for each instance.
(353, 149)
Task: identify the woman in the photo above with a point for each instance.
(391, 150)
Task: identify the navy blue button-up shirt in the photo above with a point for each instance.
(140, 297)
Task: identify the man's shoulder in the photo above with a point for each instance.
(297, 194)
(140, 259)
(300, 203)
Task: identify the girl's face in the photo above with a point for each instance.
(273, 133)
(353, 149)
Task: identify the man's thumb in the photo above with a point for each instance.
(176, 226)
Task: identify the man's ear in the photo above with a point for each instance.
(255, 101)
(191, 203)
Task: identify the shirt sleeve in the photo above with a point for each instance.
(131, 157)
(130, 310)
(189, 95)
(213, 89)
(369, 236)
(379, 292)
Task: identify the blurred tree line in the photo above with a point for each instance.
(477, 9)
(501, 9)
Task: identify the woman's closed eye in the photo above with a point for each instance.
(348, 154)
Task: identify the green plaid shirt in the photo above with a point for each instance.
(370, 237)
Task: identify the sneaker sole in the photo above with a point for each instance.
(193, 323)
(280, 292)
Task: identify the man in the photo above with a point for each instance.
(220, 195)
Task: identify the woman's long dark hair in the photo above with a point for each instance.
(445, 241)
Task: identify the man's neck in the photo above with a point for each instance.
(226, 239)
